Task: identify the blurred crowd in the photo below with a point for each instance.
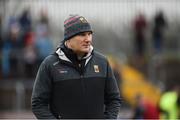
(156, 29)
(27, 41)
(140, 28)
(24, 46)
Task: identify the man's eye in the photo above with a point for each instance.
(89, 33)
(82, 34)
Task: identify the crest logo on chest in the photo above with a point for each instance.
(96, 68)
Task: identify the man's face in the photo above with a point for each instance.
(81, 43)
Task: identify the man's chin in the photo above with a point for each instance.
(86, 50)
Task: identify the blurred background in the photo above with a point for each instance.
(140, 37)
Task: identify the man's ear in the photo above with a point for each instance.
(67, 43)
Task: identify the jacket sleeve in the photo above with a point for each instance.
(112, 96)
(41, 94)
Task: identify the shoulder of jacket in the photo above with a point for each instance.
(51, 59)
(100, 55)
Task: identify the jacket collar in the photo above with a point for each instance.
(64, 57)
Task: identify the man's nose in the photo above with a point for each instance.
(88, 38)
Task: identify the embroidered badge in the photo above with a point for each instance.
(83, 20)
(96, 68)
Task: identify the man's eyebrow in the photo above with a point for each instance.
(82, 33)
(85, 33)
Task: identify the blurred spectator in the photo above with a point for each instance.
(25, 20)
(30, 55)
(169, 104)
(139, 108)
(43, 43)
(158, 31)
(145, 109)
(44, 17)
(11, 48)
(151, 110)
(140, 25)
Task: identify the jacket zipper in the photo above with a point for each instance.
(82, 79)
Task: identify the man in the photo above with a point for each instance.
(75, 81)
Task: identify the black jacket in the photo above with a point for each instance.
(66, 90)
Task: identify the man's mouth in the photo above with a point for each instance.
(86, 45)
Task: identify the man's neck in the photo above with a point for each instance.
(80, 56)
